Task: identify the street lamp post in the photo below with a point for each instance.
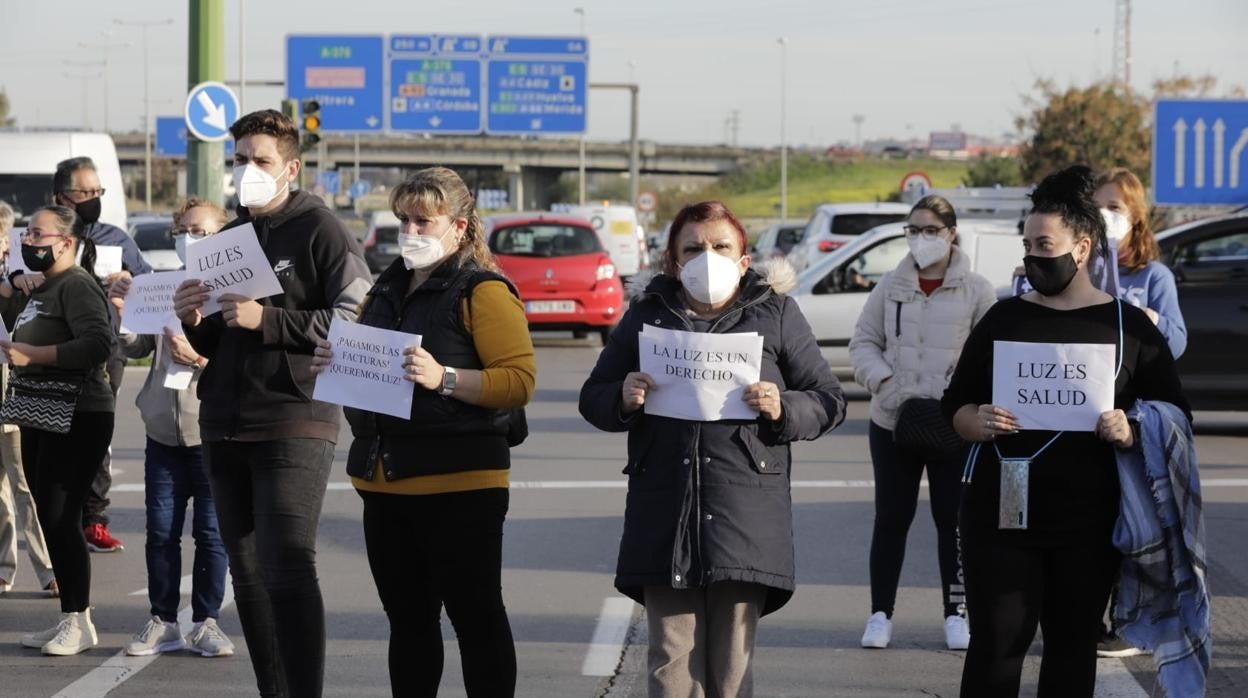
(147, 103)
(784, 144)
(580, 163)
(104, 48)
(86, 77)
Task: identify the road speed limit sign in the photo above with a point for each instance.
(647, 202)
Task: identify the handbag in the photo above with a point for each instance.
(922, 426)
(42, 404)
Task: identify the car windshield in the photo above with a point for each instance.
(544, 240)
(152, 236)
(859, 223)
(25, 193)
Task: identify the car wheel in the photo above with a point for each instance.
(580, 334)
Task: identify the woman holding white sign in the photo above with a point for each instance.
(708, 531)
(1040, 506)
(435, 484)
(905, 344)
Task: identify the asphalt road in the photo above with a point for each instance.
(574, 635)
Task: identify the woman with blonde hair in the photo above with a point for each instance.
(435, 485)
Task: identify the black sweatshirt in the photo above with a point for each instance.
(258, 384)
(1074, 483)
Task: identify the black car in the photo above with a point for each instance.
(1209, 259)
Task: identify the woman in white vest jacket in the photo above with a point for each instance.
(905, 346)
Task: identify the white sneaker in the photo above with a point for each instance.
(879, 631)
(38, 640)
(207, 640)
(75, 633)
(957, 633)
(155, 637)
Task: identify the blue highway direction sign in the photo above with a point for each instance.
(211, 108)
(344, 74)
(536, 85)
(171, 138)
(1199, 149)
(435, 84)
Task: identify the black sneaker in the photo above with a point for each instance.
(1111, 645)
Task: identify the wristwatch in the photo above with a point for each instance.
(448, 381)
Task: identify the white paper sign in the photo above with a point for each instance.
(4, 335)
(231, 262)
(16, 263)
(1057, 387)
(107, 260)
(149, 303)
(178, 377)
(367, 369)
(701, 376)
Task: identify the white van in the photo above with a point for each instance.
(833, 291)
(617, 229)
(29, 161)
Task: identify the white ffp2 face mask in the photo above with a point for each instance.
(182, 242)
(711, 278)
(927, 252)
(420, 252)
(255, 187)
(1117, 226)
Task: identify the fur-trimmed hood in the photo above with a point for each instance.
(776, 273)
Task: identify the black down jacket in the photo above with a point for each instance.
(709, 501)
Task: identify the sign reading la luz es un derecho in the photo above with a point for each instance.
(366, 371)
(1055, 387)
(700, 376)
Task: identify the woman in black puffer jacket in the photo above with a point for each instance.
(708, 533)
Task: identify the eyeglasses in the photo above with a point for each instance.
(195, 233)
(928, 231)
(30, 236)
(86, 193)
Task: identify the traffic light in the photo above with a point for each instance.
(310, 125)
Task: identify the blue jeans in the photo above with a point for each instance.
(172, 476)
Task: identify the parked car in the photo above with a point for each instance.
(381, 243)
(832, 226)
(833, 291)
(564, 274)
(30, 159)
(1209, 259)
(778, 240)
(152, 234)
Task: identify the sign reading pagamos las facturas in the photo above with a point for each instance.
(231, 262)
(700, 376)
(149, 303)
(1056, 387)
(366, 371)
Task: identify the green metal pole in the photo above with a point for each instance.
(205, 162)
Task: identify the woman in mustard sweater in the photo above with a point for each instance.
(444, 471)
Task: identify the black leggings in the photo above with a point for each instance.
(435, 549)
(59, 470)
(897, 475)
(1012, 586)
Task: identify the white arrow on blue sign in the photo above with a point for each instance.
(211, 108)
(1199, 148)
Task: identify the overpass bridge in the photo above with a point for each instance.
(532, 165)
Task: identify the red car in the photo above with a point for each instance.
(565, 277)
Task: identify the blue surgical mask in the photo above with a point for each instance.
(181, 242)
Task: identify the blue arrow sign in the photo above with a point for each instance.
(1199, 152)
(435, 84)
(171, 137)
(211, 108)
(536, 85)
(360, 187)
(344, 74)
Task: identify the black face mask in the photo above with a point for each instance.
(1050, 275)
(89, 210)
(38, 257)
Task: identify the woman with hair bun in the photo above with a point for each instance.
(1057, 569)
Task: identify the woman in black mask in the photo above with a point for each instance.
(1040, 506)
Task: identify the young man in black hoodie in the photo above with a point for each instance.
(267, 444)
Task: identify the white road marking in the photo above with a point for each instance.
(1113, 680)
(121, 667)
(608, 644)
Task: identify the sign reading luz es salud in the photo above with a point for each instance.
(366, 371)
(1054, 387)
(231, 262)
(700, 376)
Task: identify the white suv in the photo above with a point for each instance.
(833, 225)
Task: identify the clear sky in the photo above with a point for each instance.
(908, 66)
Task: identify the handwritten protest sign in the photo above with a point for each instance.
(1058, 387)
(107, 260)
(700, 376)
(367, 369)
(231, 262)
(149, 303)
